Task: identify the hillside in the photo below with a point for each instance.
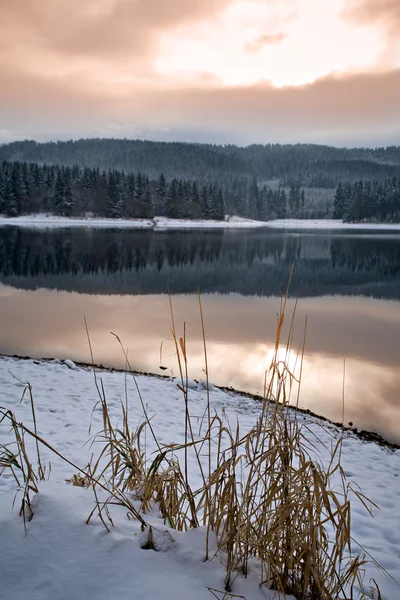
(309, 165)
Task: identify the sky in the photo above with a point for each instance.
(220, 71)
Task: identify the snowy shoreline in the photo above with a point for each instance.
(163, 223)
(65, 404)
(328, 224)
(362, 434)
(156, 224)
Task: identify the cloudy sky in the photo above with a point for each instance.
(224, 71)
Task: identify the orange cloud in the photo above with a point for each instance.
(354, 109)
(387, 12)
(98, 27)
(337, 108)
(72, 68)
(380, 13)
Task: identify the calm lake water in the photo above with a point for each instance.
(348, 286)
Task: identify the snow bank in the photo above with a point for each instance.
(158, 223)
(63, 558)
(229, 223)
(162, 223)
(43, 221)
(329, 224)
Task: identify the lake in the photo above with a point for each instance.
(348, 285)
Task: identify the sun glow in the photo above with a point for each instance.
(287, 44)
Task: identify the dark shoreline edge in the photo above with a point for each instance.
(362, 434)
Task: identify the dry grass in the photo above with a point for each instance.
(263, 498)
(14, 456)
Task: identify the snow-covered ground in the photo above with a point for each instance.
(162, 223)
(231, 222)
(329, 224)
(44, 220)
(62, 558)
(158, 223)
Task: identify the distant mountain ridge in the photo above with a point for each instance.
(310, 165)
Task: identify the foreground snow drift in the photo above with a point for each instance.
(61, 557)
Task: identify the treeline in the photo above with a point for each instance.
(27, 188)
(309, 165)
(372, 201)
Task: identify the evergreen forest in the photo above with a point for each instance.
(140, 179)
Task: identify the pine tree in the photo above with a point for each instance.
(181, 204)
(87, 183)
(294, 199)
(59, 193)
(63, 197)
(339, 202)
(172, 200)
(16, 191)
(130, 209)
(147, 205)
(161, 197)
(196, 207)
(68, 198)
(2, 193)
(114, 204)
(302, 202)
(265, 207)
(281, 204)
(139, 190)
(254, 200)
(204, 203)
(10, 200)
(347, 200)
(212, 202)
(220, 206)
(239, 197)
(187, 200)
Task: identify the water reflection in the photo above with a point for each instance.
(240, 335)
(246, 262)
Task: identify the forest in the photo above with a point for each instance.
(140, 179)
(309, 165)
(27, 188)
(368, 201)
